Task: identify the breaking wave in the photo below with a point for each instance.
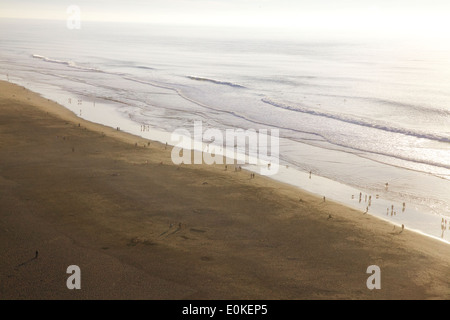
(67, 63)
(234, 85)
(359, 122)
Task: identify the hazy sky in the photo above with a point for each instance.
(383, 16)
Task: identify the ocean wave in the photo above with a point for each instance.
(359, 122)
(371, 154)
(406, 106)
(355, 150)
(67, 63)
(144, 67)
(216, 82)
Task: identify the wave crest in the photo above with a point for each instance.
(358, 122)
(216, 82)
(67, 63)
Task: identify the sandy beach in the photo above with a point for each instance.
(140, 227)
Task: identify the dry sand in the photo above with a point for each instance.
(85, 195)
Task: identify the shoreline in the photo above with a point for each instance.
(413, 220)
(236, 237)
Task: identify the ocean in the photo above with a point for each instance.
(357, 113)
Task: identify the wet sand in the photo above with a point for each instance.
(140, 227)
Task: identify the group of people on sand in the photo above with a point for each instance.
(239, 168)
(393, 212)
(368, 200)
